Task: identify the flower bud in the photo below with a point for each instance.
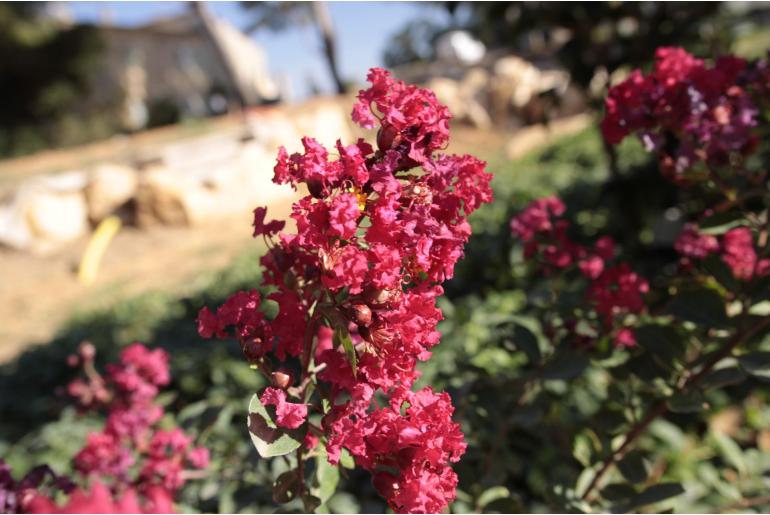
(73, 360)
(252, 349)
(361, 314)
(387, 137)
(87, 351)
(385, 483)
(281, 379)
(316, 188)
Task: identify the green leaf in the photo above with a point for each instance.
(226, 501)
(194, 410)
(633, 468)
(341, 337)
(343, 502)
(491, 495)
(760, 289)
(730, 451)
(617, 492)
(721, 272)
(686, 403)
(647, 367)
(566, 365)
(526, 341)
(582, 449)
(761, 308)
(723, 377)
(662, 340)
(268, 438)
(346, 460)
(653, 494)
(702, 306)
(326, 478)
(720, 223)
(756, 364)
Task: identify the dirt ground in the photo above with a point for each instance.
(38, 294)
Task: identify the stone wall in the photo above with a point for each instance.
(181, 182)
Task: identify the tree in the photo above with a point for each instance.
(600, 35)
(278, 16)
(413, 43)
(45, 68)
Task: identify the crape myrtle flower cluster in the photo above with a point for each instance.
(614, 290)
(130, 436)
(131, 464)
(356, 289)
(736, 248)
(100, 499)
(696, 116)
(687, 112)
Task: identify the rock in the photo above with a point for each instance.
(447, 92)
(110, 186)
(192, 196)
(44, 213)
(466, 98)
(517, 82)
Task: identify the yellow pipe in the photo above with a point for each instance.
(103, 235)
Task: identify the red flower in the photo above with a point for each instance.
(100, 500)
(268, 229)
(288, 414)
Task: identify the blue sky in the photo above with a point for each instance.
(363, 29)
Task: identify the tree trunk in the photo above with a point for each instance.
(324, 23)
(207, 23)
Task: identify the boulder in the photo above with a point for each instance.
(44, 213)
(465, 98)
(191, 196)
(110, 186)
(516, 82)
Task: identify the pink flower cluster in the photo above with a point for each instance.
(99, 499)
(736, 248)
(614, 291)
(686, 111)
(130, 436)
(378, 233)
(132, 465)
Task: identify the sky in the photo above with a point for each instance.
(363, 30)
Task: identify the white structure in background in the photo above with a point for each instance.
(459, 46)
(250, 63)
(172, 63)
